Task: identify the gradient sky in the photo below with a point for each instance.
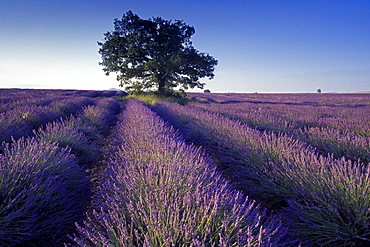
(261, 46)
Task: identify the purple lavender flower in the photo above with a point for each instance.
(160, 191)
(43, 192)
(66, 134)
(327, 195)
(101, 118)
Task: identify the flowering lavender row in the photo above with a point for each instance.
(21, 121)
(24, 120)
(327, 201)
(44, 189)
(106, 120)
(271, 111)
(337, 99)
(15, 94)
(109, 104)
(159, 191)
(337, 143)
(82, 133)
(43, 192)
(340, 130)
(243, 152)
(12, 98)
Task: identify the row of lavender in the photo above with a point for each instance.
(25, 116)
(159, 191)
(337, 124)
(44, 187)
(22, 111)
(283, 112)
(11, 98)
(324, 201)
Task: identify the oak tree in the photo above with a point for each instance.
(154, 54)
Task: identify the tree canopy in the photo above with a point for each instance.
(154, 53)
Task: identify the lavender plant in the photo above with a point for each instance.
(22, 120)
(65, 133)
(244, 153)
(89, 130)
(338, 143)
(337, 212)
(42, 193)
(13, 127)
(70, 106)
(109, 104)
(162, 192)
(101, 118)
(35, 116)
(328, 198)
(341, 131)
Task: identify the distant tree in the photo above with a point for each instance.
(319, 90)
(207, 91)
(154, 53)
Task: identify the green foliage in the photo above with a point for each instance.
(150, 98)
(154, 53)
(337, 210)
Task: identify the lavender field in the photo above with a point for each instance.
(91, 168)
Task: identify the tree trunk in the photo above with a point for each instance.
(161, 84)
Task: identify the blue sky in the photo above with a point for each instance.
(261, 46)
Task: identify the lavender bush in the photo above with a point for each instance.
(11, 127)
(99, 117)
(337, 212)
(42, 193)
(71, 105)
(109, 104)
(328, 198)
(35, 116)
(338, 143)
(161, 192)
(65, 133)
(339, 125)
(244, 153)
(22, 120)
